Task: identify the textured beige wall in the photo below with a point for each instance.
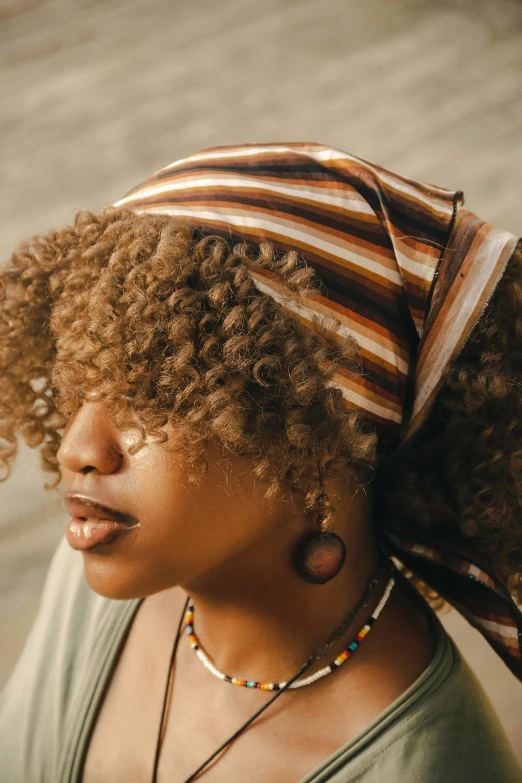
(97, 94)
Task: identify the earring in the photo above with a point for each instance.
(319, 556)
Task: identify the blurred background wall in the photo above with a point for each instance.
(95, 95)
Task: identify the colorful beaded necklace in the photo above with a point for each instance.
(277, 686)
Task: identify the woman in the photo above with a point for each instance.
(259, 374)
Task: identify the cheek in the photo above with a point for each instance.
(186, 530)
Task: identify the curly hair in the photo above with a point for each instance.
(166, 325)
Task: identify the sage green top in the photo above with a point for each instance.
(441, 730)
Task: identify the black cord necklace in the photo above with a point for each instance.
(338, 633)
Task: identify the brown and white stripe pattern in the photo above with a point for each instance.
(463, 579)
(373, 238)
(474, 262)
(404, 270)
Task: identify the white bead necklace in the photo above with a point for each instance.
(276, 686)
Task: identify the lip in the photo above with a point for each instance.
(86, 508)
(84, 534)
(94, 524)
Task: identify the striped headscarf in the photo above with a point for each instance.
(404, 269)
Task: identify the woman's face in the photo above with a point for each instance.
(179, 532)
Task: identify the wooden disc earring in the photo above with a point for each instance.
(319, 556)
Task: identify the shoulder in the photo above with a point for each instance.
(443, 729)
(68, 637)
(65, 614)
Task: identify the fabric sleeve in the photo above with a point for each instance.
(34, 703)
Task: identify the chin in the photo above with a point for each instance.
(124, 579)
(114, 581)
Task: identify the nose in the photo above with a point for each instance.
(90, 442)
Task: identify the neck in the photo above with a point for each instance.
(257, 619)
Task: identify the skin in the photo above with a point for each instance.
(224, 544)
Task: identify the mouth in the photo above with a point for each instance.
(94, 524)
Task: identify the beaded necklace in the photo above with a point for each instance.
(277, 686)
(283, 687)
